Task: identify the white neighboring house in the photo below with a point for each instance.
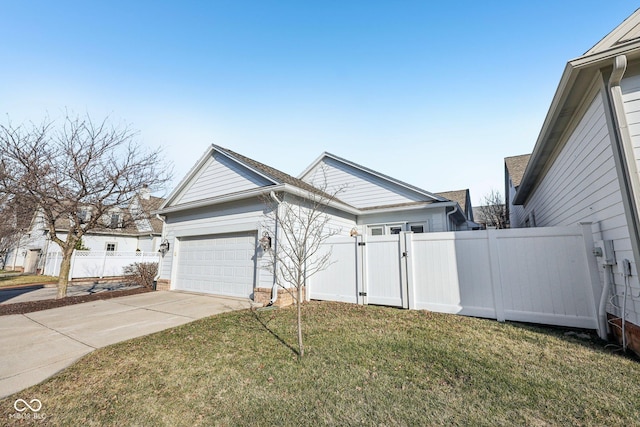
(217, 213)
(584, 166)
(128, 229)
(514, 168)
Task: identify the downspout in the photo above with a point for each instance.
(631, 181)
(274, 288)
(455, 209)
(603, 330)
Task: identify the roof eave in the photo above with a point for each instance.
(578, 72)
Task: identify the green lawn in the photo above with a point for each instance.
(364, 365)
(26, 279)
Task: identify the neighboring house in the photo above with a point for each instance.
(514, 168)
(216, 214)
(584, 166)
(463, 198)
(127, 229)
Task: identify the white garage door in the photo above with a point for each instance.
(222, 264)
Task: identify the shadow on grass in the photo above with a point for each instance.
(256, 314)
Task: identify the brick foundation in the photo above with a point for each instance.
(632, 333)
(285, 298)
(163, 285)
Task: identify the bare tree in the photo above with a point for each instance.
(493, 212)
(301, 225)
(76, 174)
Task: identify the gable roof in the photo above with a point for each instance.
(278, 180)
(273, 174)
(516, 165)
(627, 31)
(366, 170)
(131, 224)
(461, 197)
(576, 81)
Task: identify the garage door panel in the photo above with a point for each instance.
(219, 264)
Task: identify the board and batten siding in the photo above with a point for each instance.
(581, 185)
(359, 188)
(219, 176)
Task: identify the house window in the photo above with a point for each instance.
(376, 231)
(111, 247)
(417, 228)
(115, 221)
(395, 229)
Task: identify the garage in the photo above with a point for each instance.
(221, 264)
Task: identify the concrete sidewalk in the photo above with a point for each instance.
(35, 346)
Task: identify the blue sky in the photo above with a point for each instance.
(433, 93)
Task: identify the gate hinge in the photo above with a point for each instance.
(362, 294)
(361, 243)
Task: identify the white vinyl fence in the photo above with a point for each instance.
(97, 264)
(538, 275)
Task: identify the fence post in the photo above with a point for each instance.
(409, 301)
(360, 281)
(594, 274)
(104, 262)
(73, 264)
(496, 277)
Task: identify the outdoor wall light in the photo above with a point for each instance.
(265, 241)
(164, 247)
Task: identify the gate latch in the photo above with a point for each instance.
(362, 294)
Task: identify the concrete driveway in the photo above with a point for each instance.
(37, 345)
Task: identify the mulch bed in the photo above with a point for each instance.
(31, 306)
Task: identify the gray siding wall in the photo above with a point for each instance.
(582, 185)
(359, 188)
(516, 212)
(220, 176)
(436, 218)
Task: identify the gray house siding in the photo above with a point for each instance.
(581, 185)
(234, 217)
(220, 176)
(359, 189)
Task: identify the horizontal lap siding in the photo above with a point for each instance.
(220, 176)
(359, 188)
(231, 218)
(581, 185)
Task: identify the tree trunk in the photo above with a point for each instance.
(63, 278)
(300, 345)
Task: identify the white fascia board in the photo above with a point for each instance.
(313, 164)
(411, 207)
(183, 183)
(220, 199)
(194, 170)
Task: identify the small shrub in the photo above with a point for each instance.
(140, 273)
